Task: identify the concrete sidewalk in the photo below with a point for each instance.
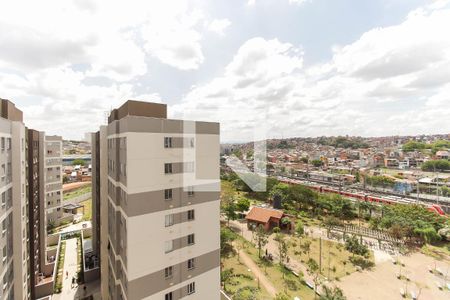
(70, 267)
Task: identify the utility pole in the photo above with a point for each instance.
(320, 253)
(418, 190)
(437, 184)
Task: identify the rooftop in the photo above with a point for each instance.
(139, 108)
(263, 215)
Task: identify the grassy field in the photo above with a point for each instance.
(334, 256)
(60, 268)
(291, 284)
(439, 252)
(243, 284)
(87, 209)
(77, 192)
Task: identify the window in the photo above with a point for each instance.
(191, 142)
(168, 296)
(190, 191)
(3, 227)
(8, 143)
(168, 194)
(191, 288)
(3, 199)
(168, 246)
(3, 144)
(191, 239)
(167, 142)
(168, 272)
(168, 168)
(169, 220)
(191, 215)
(4, 253)
(191, 263)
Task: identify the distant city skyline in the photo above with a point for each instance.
(303, 67)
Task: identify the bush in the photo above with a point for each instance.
(361, 262)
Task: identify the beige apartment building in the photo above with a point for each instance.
(51, 157)
(157, 190)
(31, 195)
(14, 242)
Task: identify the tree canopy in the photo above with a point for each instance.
(436, 165)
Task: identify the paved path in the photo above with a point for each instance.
(77, 226)
(265, 282)
(272, 248)
(70, 266)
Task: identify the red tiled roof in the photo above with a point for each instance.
(263, 215)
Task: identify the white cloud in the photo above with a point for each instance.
(389, 81)
(219, 26)
(66, 104)
(298, 2)
(65, 63)
(174, 40)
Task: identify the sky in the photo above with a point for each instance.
(286, 68)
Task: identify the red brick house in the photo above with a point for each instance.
(268, 217)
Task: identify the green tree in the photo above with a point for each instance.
(317, 163)
(436, 165)
(282, 247)
(299, 228)
(306, 247)
(227, 236)
(230, 211)
(242, 205)
(332, 294)
(313, 270)
(228, 206)
(281, 296)
(353, 245)
(80, 162)
(225, 276)
(261, 238)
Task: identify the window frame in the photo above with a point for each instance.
(168, 220)
(168, 296)
(191, 239)
(168, 142)
(168, 194)
(191, 288)
(191, 264)
(168, 168)
(191, 215)
(168, 272)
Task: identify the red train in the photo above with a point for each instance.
(363, 197)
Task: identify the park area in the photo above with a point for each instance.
(246, 276)
(339, 248)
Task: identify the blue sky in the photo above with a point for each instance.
(300, 67)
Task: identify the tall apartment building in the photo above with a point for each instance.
(35, 212)
(14, 242)
(51, 158)
(158, 193)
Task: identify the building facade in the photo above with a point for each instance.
(51, 156)
(14, 241)
(159, 215)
